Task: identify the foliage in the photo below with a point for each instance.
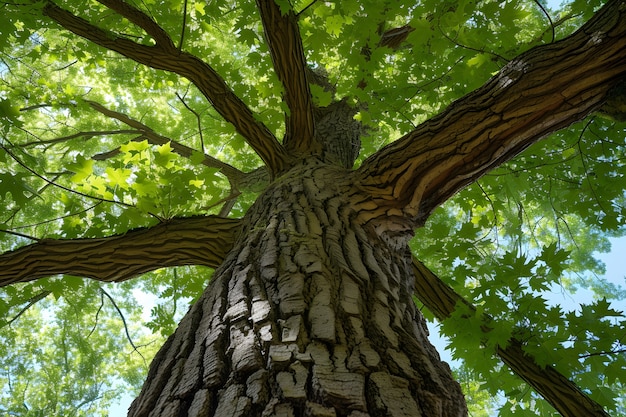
(79, 155)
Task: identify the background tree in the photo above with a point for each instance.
(141, 143)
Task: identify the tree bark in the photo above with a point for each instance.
(184, 241)
(310, 314)
(545, 89)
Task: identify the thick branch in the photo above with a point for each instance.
(139, 18)
(555, 388)
(285, 44)
(233, 174)
(183, 241)
(165, 56)
(541, 91)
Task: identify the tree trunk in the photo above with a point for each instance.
(310, 315)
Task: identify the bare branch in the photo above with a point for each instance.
(559, 391)
(285, 44)
(198, 120)
(33, 300)
(141, 19)
(543, 90)
(165, 56)
(181, 241)
(119, 312)
(86, 135)
(545, 12)
(183, 27)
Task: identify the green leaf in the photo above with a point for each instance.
(82, 168)
(199, 7)
(14, 185)
(164, 156)
(118, 177)
(334, 25)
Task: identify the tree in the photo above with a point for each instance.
(249, 138)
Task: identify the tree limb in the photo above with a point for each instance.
(86, 135)
(555, 388)
(543, 90)
(181, 241)
(283, 39)
(232, 173)
(165, 56)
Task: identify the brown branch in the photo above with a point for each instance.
(141, 19)
(283, 39)
(543, 90)
(181, 241)
(165, 56)
(232, 173)
(121, 314)
(555, 388)
(198, 121)
(31, 302)
(86, 135)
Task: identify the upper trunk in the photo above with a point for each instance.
(310, 314)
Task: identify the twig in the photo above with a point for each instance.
(69, 190)
(548, 16)
(182, 30)
(130, 340)
(10, 232)
(87, 135)
(95, 324)
(33, 300)
(182, 100)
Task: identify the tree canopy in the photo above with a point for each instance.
(120, 120)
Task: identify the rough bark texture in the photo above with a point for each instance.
(311, 314)
(190, 241)
(545, 89)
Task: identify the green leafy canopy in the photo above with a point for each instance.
(93, 144)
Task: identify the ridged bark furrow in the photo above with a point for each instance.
(311, 314)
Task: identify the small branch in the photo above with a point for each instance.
(545, 12)
(130, 340)
(198, 120)
(603, 353)
(69, 190)
(183, 27)
(10, 232)
(86, 135)
(139, 18)
(305, 8)
(586, 169)
(95, 323)
(232, 173)
(42, 222)
(176, 242)
(34, 300)
(470, 48)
